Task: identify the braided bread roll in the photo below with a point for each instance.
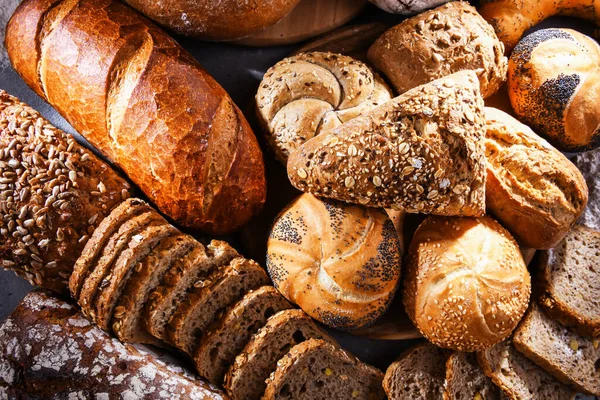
(304, 95)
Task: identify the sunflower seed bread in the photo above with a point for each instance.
(53, 195)
(466, 381)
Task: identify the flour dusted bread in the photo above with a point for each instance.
(406, 7)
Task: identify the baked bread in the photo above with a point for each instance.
(422, 152)
(553, 78)
(437, 43)
(570, 281)
(589, 165)
(466, 381)
(406, 7)
(466, 286)
(304, 95)
(340, 263)
(53, 195)
(569, 357)
(532, 188)
(146, 104)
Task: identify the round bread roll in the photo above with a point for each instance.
(466, 284)
(339, 262)
(406, 7)
(554, 81)
(438, 43)
(304, 95)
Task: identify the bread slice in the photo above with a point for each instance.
(466, 381)
(114, 282)
(518, 377)
(419, 373)
(316, 369)
(570, 275)
(209, 300)
(568, 357)
(180, 279)
(246, 377)
(147, 274)
(218, 348)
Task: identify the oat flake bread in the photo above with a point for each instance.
(422, 152)
(303, 95)
(144, 102)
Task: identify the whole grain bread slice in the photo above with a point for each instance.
(179, 280)
(317, 369)
(567, 356)
(570, 276)
(246, 377)
(418, 373)
(518, 377)
(210, 299)
(466, 381)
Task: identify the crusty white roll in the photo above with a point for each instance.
(339, 262)
(466, 285)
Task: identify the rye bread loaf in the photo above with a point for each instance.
(466, 381)
(228, 336)
(589, 165)
(53, 195)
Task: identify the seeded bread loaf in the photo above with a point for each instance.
(53, 195)
(466, 381)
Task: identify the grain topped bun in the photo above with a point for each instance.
(466, 285)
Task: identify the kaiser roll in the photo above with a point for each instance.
(339, 262)
(466, 285)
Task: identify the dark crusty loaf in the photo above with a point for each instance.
(246, 376)
(418, 373)
(53, 194)
(49, 350)
(224, 341)
(570, 281)
(316, 369)
(466, 381)
(142, 100)
(569, 357)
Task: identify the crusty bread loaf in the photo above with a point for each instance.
(53, 195)
(589, 165)
(532, 188)
(339, 262)
(406, 7)
(422, 152)
(466, 285)
(439, 42)
(553, 79)
(144, 102)
(466, 381)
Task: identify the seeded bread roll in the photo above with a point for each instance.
(439, 42)
(466, 285)
(53, 195)
(532, 188)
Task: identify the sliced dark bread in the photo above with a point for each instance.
(114, 282)
(246, 377)
(466, 381)
(418, 373)
(210, 299)
(317, 369)
(569, 357)
(128, 314)
(180, 279)
(518, 377)
(570, 275)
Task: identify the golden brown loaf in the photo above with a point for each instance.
(144, 102)
(422, 152)
(554, 79)
(532, 188)
(437, 43)
(466, 285)
(340, 263)
(53, 194)
(301, 96)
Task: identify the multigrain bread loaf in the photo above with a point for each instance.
(50, 350)
(143, 101)
(439, 42)
(466, 285)
(466, 381)
(422, 152)
(304, 95)
(589, 165)
(570, 281)
(532, 188)
(53, 195)
(339, 262)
